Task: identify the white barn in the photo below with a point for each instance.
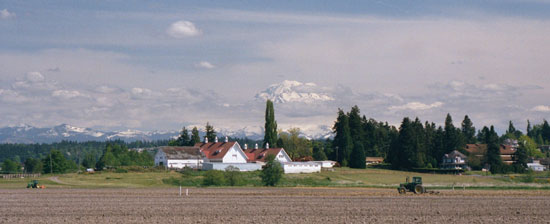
(176, 157)
(222, 152)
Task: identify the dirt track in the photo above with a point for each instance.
(270, 205)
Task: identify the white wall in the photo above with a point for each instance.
(326, 164)
(234, 155)
(301, 167)
(178, 164)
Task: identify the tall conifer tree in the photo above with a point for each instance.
(183, 139)
(468, 130)
(357, 158)
(342, 139)
(493, 151)
(210, 132)
(195, 138)
(270, 135)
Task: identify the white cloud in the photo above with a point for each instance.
(205, 64)
(141, 92)
(5, 14)
(417, 106)
(541, 108)
(181, 29)
(66, 94)
(35, 77)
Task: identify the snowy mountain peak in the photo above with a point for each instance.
(294, 91)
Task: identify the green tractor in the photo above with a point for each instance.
(414, 186)
(34, 184)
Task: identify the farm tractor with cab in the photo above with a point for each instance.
(414, 186)
(34, 184)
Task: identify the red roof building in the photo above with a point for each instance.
(223, 152)
(256, 155)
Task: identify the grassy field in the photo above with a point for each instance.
(341, 177)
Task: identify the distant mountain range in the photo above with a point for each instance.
(28, 134)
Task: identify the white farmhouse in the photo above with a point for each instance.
(178, 157)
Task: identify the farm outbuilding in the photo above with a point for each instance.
(178, 157)
(326, 163)
(301, 167)
(223, 166)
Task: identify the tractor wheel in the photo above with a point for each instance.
(419, 189)
(401, 190)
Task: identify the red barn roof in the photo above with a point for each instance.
(259, 155)
(215, 150)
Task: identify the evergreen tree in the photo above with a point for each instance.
(493, 151)
(210, 132)
(183, 139)
(453, 137)
(272, 172)
(545, 132)
(33, 165)
(9, 166)
(529, 129)
(468, 130)
(521, 157)
(406, 150)
(108, 159)
(483, 135)
(357, 159)
(356, 130)
(319, 154)
(89, 161)
(270, 135)
(195, 138)
(439, 145)
(512, 132)
(55, 162)
(342, 139)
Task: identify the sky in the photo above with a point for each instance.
(149, 65)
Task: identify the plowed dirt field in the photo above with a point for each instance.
(270, 205)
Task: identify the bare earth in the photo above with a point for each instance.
(270, 205)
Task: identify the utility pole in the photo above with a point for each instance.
(51, 167)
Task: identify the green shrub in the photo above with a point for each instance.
(272, 172)
(213, 178)
(120, 170)
(233, 176)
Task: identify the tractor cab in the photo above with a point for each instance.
(414, 186)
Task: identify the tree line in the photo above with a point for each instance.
(69, 156)
(422, 145)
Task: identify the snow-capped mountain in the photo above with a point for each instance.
(294, 91)
(28, 134)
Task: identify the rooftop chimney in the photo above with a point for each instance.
(256, 146)
(205, 139)
(245, 146)
(216, 139)
(226, 139)
(267, 145)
